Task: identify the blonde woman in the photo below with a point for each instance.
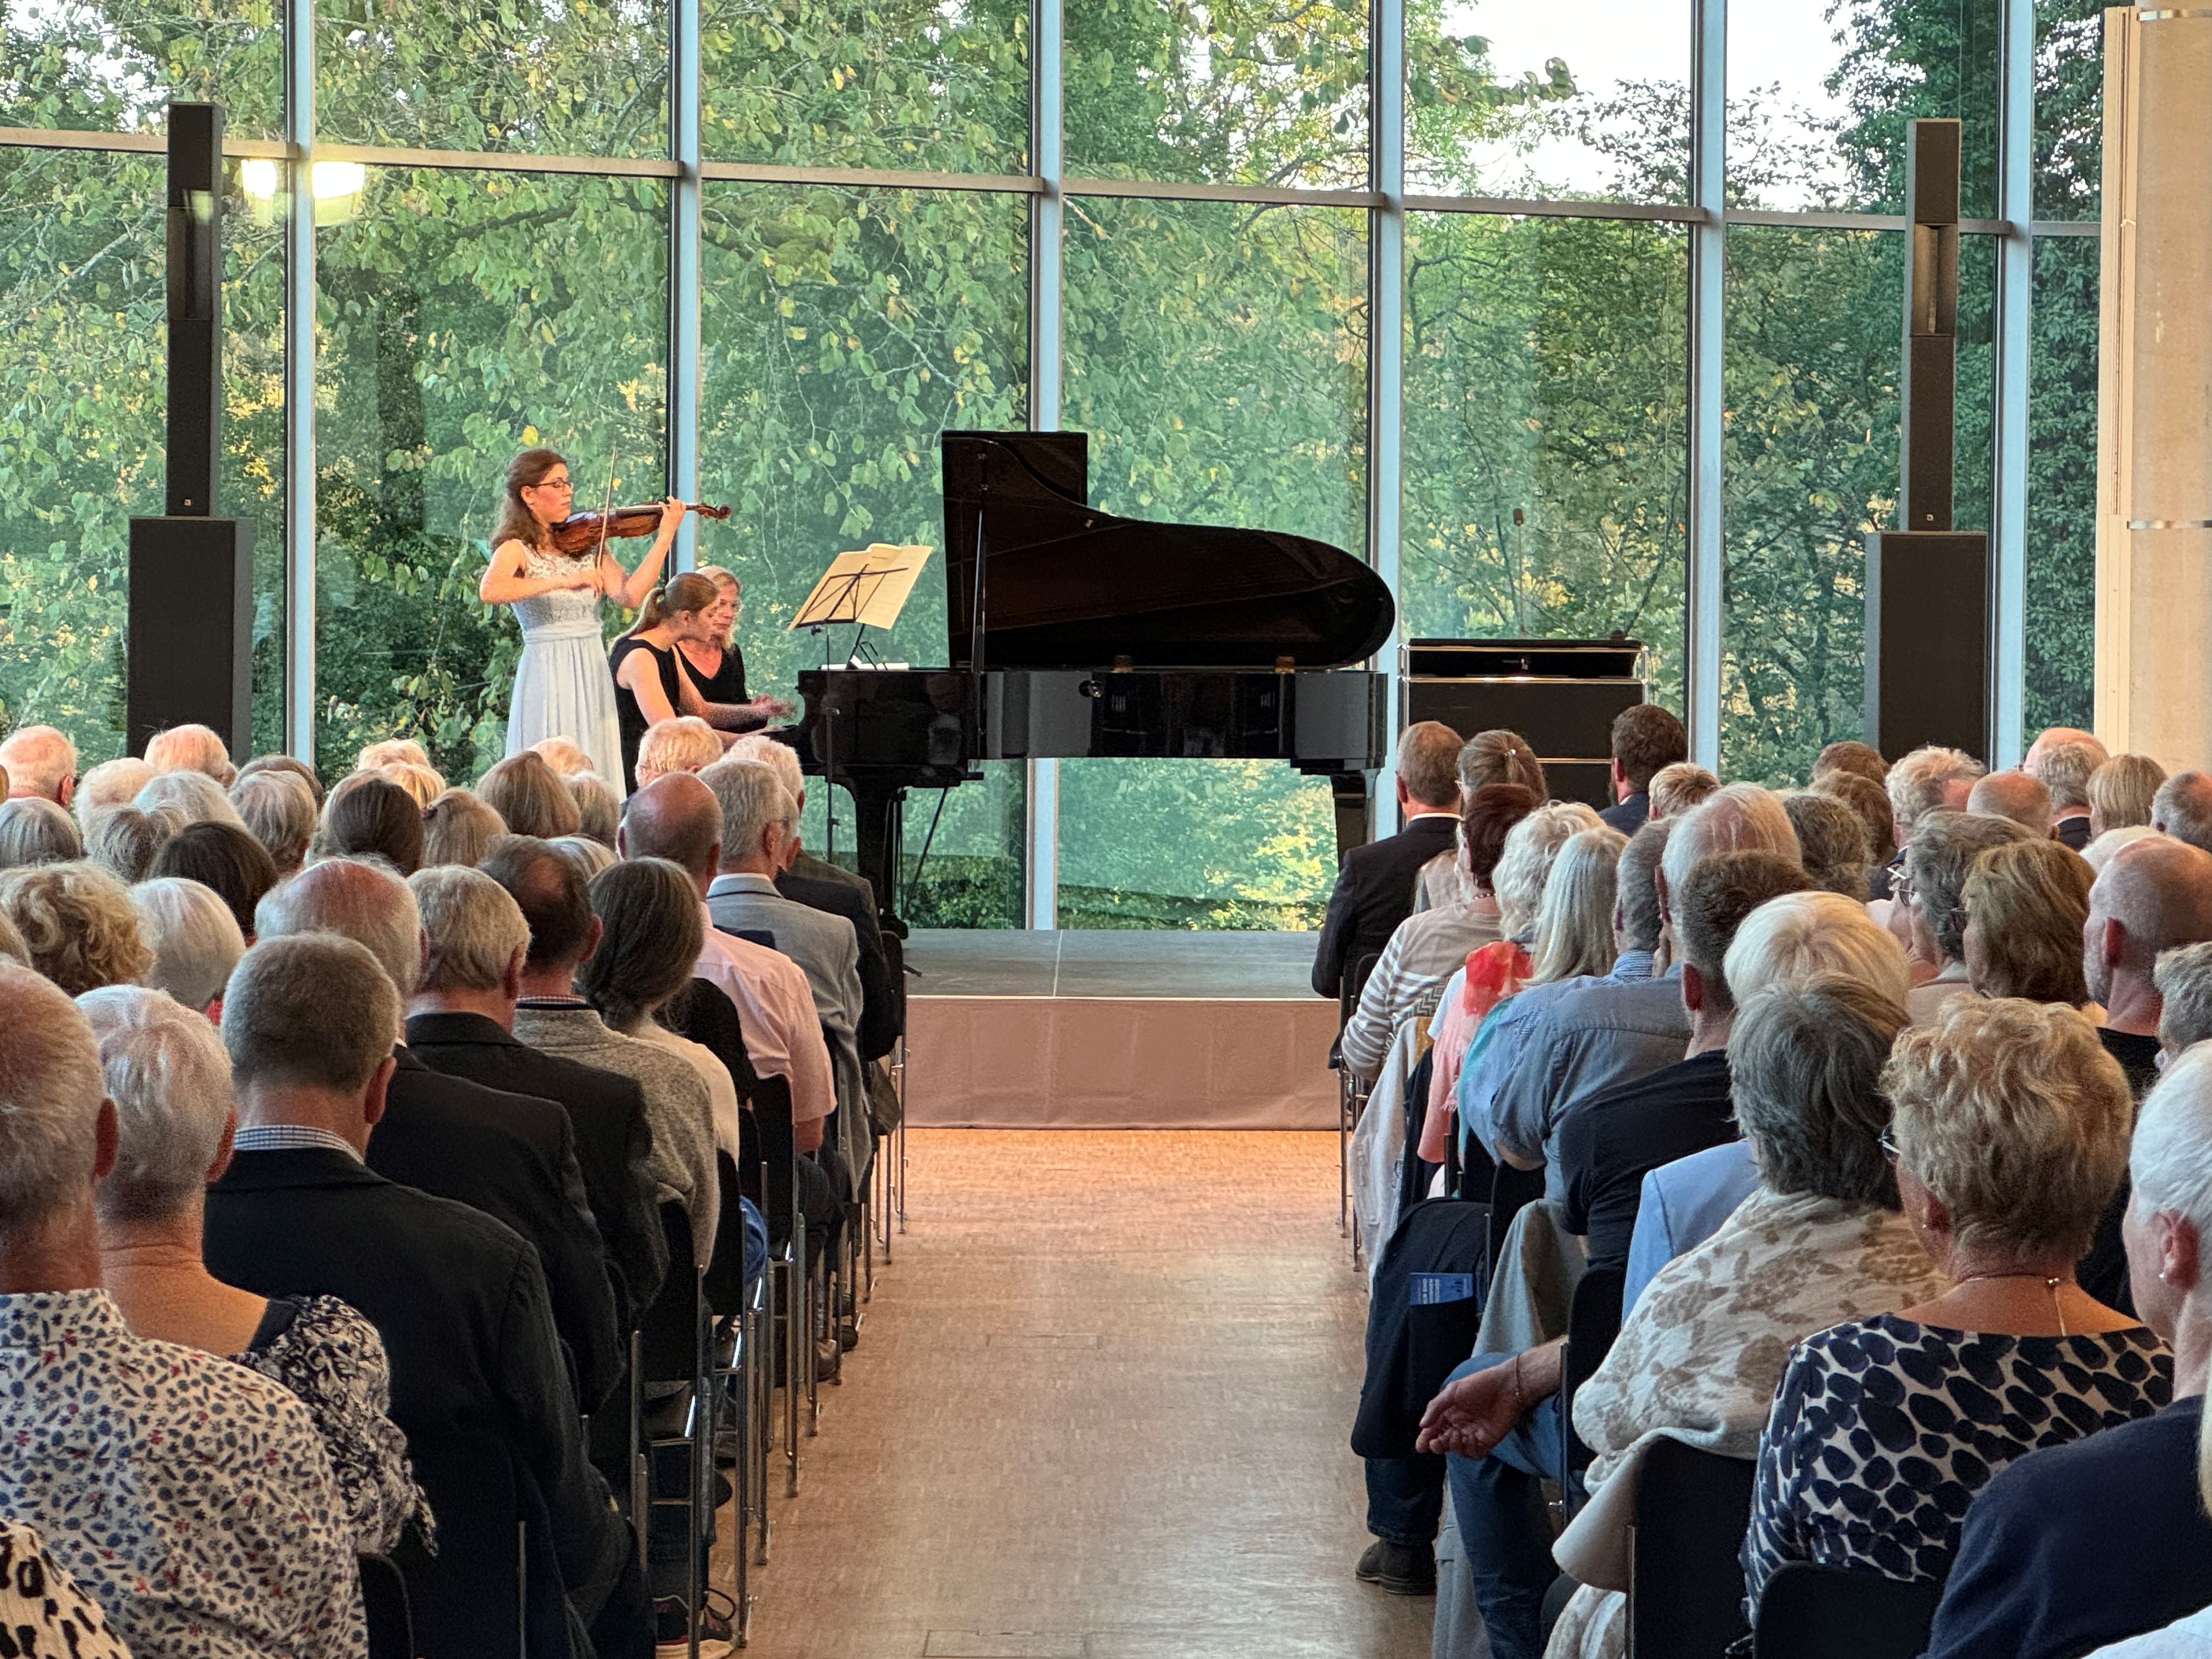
(457, 829)
(717, 667)
(2120, 792)
(2010, 1133)
(1495, 971)
(2026, 904)
(78, 926)
(529, 797)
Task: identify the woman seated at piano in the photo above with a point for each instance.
(654, 680)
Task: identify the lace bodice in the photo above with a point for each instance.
(567, 609)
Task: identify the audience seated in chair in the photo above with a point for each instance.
(2065, 768)
(1930, 901)
(224, 857)
(1374, 883)
(1611, 1033)
(1560, 871)
(279, 811)
(2015, 795)
(1821, 1240)
(191, 1498)
(1831, 844)
(479, 1384)
(759, 822)
(1645, 740)
(1785, 941)
(36, 831)
(1430, 946)
(1494, 1049)
(2106, 1537)
(2026, 904)
(1485, 758)
(510, 1156)
(41, 760)
(556, 905)
(2010, 1131)
(169, 1078)
(460, 1021)
(77, 925)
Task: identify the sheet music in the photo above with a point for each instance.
(869, 586)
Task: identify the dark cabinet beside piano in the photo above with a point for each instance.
(1561, 695)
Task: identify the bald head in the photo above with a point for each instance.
(2054, 737)
(675, 818)
(355, 899)
(2025, 800)
(40, 761)
(2155, 894)
(2182, 808)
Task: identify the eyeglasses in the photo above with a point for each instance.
(554, 483)
(1889, 1145)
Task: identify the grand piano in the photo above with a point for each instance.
(1075, 633)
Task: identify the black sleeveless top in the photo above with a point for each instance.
(632, 718)
(728, 685)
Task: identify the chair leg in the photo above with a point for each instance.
(641, 1492)
(797, 1354)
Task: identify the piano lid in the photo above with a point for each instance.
(1063, 585)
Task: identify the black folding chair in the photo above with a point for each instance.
(1686, 1579)
(773, 1183)
(1350, 1092)
(1835, 1613)
(1593, 1322)
(670, 1346)
(385, 1610)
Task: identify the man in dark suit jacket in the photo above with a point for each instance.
(1645, 739)
(460, 1022)
(511, 1156)
(1374, 883)
(477, 1382)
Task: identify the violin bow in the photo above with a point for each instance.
(606, 519)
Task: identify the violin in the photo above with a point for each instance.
(580, 532)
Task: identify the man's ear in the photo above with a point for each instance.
(107, 1141)
(1693, 987)
(2179, 1263)
(222, 1152)
(510, 979)
(374, 1093)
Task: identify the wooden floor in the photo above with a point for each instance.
(1099, 1411)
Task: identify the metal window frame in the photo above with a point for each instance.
(1706, 216)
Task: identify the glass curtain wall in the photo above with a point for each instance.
(764, 252)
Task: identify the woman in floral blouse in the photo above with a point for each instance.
(170, 1080)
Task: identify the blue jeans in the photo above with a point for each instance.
(1405, 1498)
(1499, 1500)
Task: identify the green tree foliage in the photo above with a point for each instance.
(1217, 352)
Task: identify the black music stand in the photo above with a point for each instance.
(867, 589)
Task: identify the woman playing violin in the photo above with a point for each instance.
(561, 688)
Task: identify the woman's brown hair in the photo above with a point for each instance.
(517, 523)
(689, 591)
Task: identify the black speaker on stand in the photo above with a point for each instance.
(1928, 599)
(189, 651)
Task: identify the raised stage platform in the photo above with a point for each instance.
(1117, 1030)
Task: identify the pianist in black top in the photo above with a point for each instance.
(717, 666)
(1374, 883)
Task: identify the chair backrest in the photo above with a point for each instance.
(384, 1608)
(1686, 1580)
(725, 1282)
(1511, 1191)
(1354, 981)
(765, 936)
(1835, 1613)
(1593, 1322)
(670, 1326)
(779, 1177)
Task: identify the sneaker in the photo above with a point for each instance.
(1401, 1569)
(672, 1630)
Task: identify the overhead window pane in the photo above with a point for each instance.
(109, 66)
(1586, 99)
(1224, 91)
(937, 85)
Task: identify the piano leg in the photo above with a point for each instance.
(877, 815)
(1355, 817)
